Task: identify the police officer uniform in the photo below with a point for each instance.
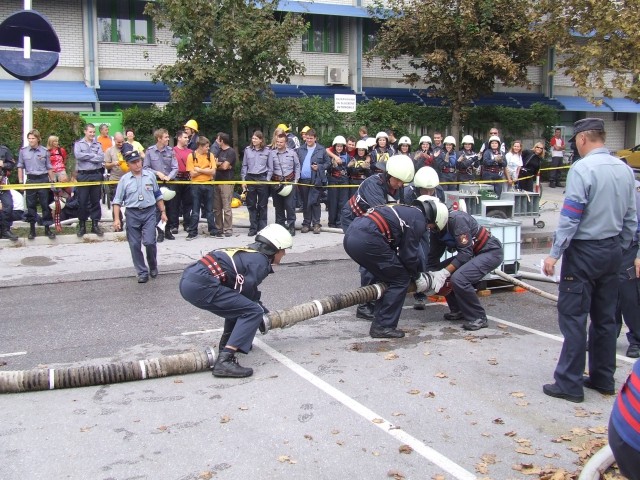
(446, 168)
(256, 168)
(478, 253)
(163, 160)
(285, 167)
(7, 164)
(90, 168)
(36, 164)
(493, 168)
(386, 242)
(598, 219)
(140, 195)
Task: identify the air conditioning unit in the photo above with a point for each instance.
(337, 75)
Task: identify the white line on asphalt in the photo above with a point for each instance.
(557, 338)
(427, 452)
(199, 332)
(13, 354)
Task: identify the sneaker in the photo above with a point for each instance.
(153, 272)
(219, 235)
(316, 229)
(252, 233)
(418, 304)
(304, 229)
(143, 279)
(228, 234)
(9, 235)
(553, 390)
(477, 324)
(191, 236)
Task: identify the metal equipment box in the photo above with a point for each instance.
(525, 204)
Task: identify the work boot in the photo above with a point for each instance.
(553, 390)
(160, 235)
(364, 311)
(418, 304)
(292, 230)
(82, 228)
(49, 233)
(227, 366)
(586, 381)
(223, 341)
(95, 228)
(453, 316)
(385, 332)
(316, 228)
(633, 351)
(168, 235)
(305, 229)
(477, 324)
(9, 235)
(32, 231)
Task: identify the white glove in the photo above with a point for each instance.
(423, 281)
(439, 278)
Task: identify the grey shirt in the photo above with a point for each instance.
(137, 192)
(89, 156)
(283, 163)
(599, 203)
(163, 160)
(255, 162)
(34, 161)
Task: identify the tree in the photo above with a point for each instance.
(228, 50)
(458, 48)
(597, 44)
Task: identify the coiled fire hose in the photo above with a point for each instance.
(188, 362)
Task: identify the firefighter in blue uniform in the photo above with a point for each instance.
(467, 161)
(386, 242)
(225, 282)
(493, 164)
(378, 189)
(478, 253)
(7, 163)
(446, 164)
(337, 175)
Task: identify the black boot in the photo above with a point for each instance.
(365, 311)
(32, 231)
(160, 235)
(82, 228)
(49, 233)
(227, 366)
(168, 235)
(95, 228)
(223, 341)
(7, 234)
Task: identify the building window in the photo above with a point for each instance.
(324, 35)
(369, 34)
(124, 21)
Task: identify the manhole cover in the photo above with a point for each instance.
(37, 261)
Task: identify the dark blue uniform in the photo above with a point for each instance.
(386, 242)
(465, 165)
(478, 253)
(8, 163)
(446, 168)
(493, 168)
(337, 196)
(229, 290)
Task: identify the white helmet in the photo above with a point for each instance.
(382, 135)
(401, 167)
(371, 142)
(52, 205)
(275, 235)
(467, 139)
(167, 193)
(404, 141)
(339, 140)
(449, 139)
(426, 177)
(425, 139)
(434, 211)
(284, 190)
(494, 138)
(362, 144)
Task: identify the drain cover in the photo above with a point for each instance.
(37, 261)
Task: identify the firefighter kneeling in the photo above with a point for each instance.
(386, 242)
(478, 253)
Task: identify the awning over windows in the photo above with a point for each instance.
(48, 91)
(127, 91)
(323, 9)
(579, 104)
(622, 105)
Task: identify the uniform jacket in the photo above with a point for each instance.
(253, 266)
(372, 192)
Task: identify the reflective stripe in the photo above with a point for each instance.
(482, 237)
(381, 223)
(214, 268)
(355, 207)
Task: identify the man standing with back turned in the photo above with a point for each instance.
(597, 220)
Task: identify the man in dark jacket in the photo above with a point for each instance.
(314, 162)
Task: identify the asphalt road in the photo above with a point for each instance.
(326, 400)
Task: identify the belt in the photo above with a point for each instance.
(382, 224)
(493, 169)
(338, 173)
(33, 175)
(448, 169)
(358, 177)
(214, 267)
(482, 237)
(259, 175)
(286, 178)
(140, 208)
(97, 170)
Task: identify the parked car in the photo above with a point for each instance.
(632, 155)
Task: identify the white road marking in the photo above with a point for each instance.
(13, 354)
(557, 338)
(200, 332)
(419, 447)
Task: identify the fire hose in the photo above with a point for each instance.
(526, 286)
(180, 364)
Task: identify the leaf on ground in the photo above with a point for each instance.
(518, 394)
(485, 434)
(308, 437)
(413, 392)
(429, 395)
(335, 432)
(395, 474)
(397, 414)
(504, 327)
(377, 420)
(525, 450)
(579, 432)
(340, 442)
(581, 412)
(482, 468)
(488, 458)
(85, 429)
(525, 442)
(492, 361)
(522, 403)
(498, 421)
(599, 430)
(178, 380)
(243, 408)
(551, 455)
(438, 476)
(225, 419)
(391, 356)
(526, 468)
(426, 354)
(206, 475)
(406, 449)
(510, 434)
(441, 375)
(162, 428)
(286, 459)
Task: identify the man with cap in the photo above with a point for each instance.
(292, 141)
(225, 282)
(597, 220)
(139, 193)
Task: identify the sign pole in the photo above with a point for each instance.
(27, 111)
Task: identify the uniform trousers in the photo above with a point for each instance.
(629, 296)
(257, 201)
(242, 316)
(6, 215)
(171, 209)
(448, 177)
(285, 208)
(38, 196)
(89, 197)
(141, 230)
(337, 197)
(463, 297)
(365, 244)
(588, 286)
(497, 186)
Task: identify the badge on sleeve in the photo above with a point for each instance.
(463, 239)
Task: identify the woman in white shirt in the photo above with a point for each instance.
(514, 164)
